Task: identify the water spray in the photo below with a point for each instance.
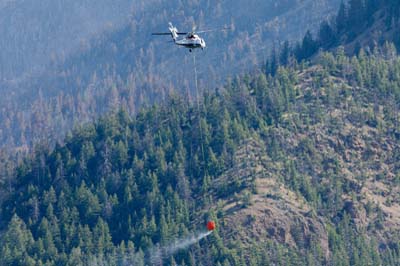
(159, 254)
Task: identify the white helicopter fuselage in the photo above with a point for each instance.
(191, 41)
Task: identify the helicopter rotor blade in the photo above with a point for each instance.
(168, 33)
(204, 31)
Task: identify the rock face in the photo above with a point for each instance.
(266, 209)
(275, 212)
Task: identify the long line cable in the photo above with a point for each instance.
(199, 113)
(195, 79)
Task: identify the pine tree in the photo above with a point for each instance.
(284, 56)
(17, 244)
(342, 18)
(326, 36)
(308, 47)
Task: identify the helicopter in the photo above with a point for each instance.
(190, 41)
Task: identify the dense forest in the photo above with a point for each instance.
(296, 169)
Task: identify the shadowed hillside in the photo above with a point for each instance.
(89, 72)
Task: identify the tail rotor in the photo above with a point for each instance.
(174, 31)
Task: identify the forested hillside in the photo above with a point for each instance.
(89, 68)
(297, 162)
(358, 24)
(297, 169)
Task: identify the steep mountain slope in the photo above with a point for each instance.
(358, 24)
(299, 169)
(33, 33)
(132, 68)
(368, 24)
